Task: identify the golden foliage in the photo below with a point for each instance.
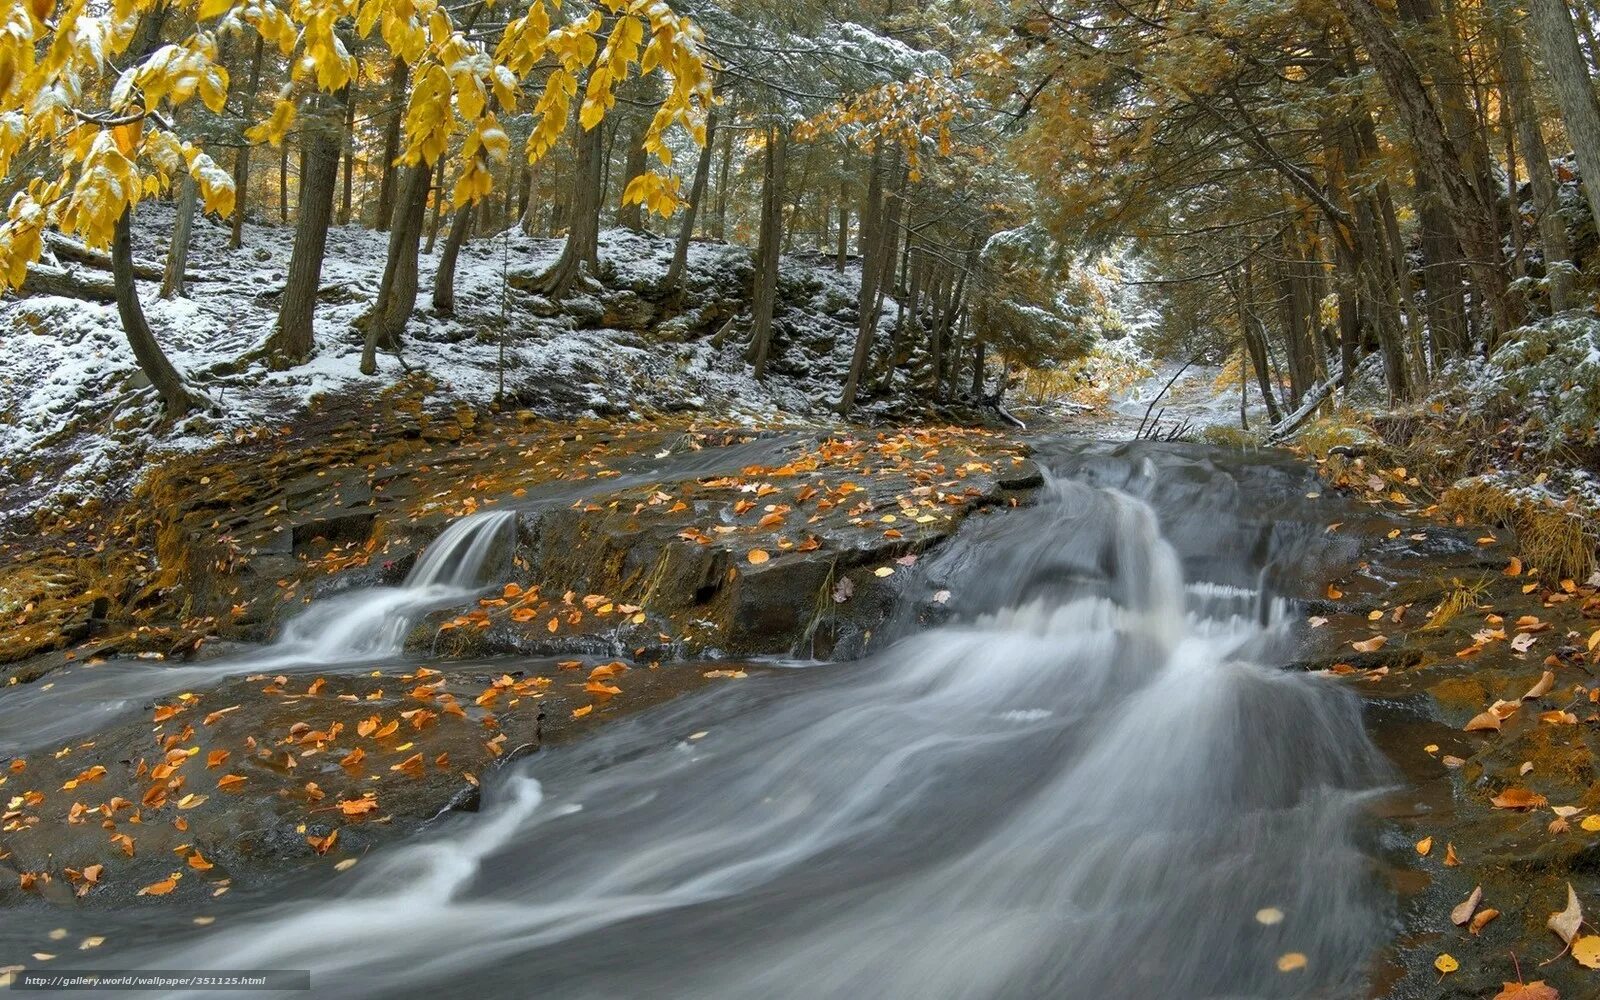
(73, 93)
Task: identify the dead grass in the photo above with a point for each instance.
(1461, 598)
(1557, 539)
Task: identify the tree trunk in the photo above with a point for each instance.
(241, 159)
(871, 225)
(444, 278)
(1471, 218)
(283, 184)
(844, 226)
(697, 194)
(397, 293)
(1563, 60)
(1546, 198)
(720, 229)
(182, 228)
(631, 217)
(1255, 340)
(293, 340)
(583, 232)
(349, 150)
(176, 398)
(399, 78)
(764, 301)
(438, 204)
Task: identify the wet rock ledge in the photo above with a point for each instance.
(794, 558)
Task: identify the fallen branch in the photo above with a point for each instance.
(144, 270)
(47, 279)
(1317, 395)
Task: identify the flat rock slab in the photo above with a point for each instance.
(255, 775)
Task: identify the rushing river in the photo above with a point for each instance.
(1095, 779)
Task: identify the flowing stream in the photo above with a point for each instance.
(360, 626)
(1094, 779)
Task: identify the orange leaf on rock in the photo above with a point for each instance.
(758, 556)
(412, 765)
(162, 887)
(1371, 645)
(358, 807)
(1536, 990)
(1518, 798)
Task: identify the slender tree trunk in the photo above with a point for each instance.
(764, 301)
(397, 293)
(444, 278)
(844, 227)
(871, 226)
(293, 340)
(283, 184)
(1255, 341)
(1563, 60)
(182, 228)
(438, 204)
(176, 398)
(720, 229)
(241, 159)
(349, 151)
(697, 194)
(399, 79)
(1546, 199)
(631, 217)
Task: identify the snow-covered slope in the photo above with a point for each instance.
(69, 385)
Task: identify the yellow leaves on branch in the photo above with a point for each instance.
(656, 193)
(72, 93)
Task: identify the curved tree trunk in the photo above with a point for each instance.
(176, 398)
(397, 293)
(399, 78)
(444, 278)
(697, 194)
(293, 340)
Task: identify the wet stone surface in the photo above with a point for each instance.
(1481, 689)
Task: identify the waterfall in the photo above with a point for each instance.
(375, 622)
(366, 624)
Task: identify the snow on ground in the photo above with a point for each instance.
(69, 386)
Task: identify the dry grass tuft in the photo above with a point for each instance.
(1461, 598)
(1557, 539)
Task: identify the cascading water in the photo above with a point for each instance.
(360, 625)
(374, 622)
(1088, 784)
